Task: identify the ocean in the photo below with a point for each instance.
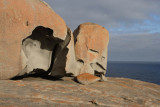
(144, 71)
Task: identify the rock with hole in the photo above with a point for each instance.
(31, 37)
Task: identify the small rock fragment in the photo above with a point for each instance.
(87, 78)
(94, 102)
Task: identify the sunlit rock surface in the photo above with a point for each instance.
(116, 92)
(91, 48)
(87, 78)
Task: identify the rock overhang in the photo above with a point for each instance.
(18, 20)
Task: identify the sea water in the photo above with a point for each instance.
(144, 71)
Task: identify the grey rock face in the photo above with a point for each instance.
(44, 52)
(37, 49)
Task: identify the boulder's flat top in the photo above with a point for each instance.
(116, 92)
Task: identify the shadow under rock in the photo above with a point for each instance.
(40, 75)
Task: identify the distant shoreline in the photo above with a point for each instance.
(144, 71)
(140, 62)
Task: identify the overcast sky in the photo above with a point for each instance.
(134, 25)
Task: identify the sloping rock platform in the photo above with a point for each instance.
(116, 92)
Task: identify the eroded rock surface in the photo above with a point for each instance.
(63, 55)
(91, 48)
(18, 21)
(116, 92)
(34, 39)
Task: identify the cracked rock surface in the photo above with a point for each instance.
(116, 92)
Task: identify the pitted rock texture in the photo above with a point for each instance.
(91, 48)
(116, 92)
(18, 19)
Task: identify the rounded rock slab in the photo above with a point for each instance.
(87, 78)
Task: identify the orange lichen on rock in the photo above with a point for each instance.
(90, 36)
(91, 47)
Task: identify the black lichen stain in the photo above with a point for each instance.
(27, 23)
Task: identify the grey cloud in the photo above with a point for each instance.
(108, 13)
(131, 47)
(113, 14)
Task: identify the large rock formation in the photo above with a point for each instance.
(34, 39)
(91, 48)
(116, 92)
(30, 31)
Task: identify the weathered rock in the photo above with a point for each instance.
(72, 67)
(91, 46)
(18, 20)
(64, 62)
(87, 78)
(116, 92)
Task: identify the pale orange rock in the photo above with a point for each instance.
(87, 78)
(91, 48)
(72, 66)
(17, 21)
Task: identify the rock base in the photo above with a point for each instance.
(115, 92)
